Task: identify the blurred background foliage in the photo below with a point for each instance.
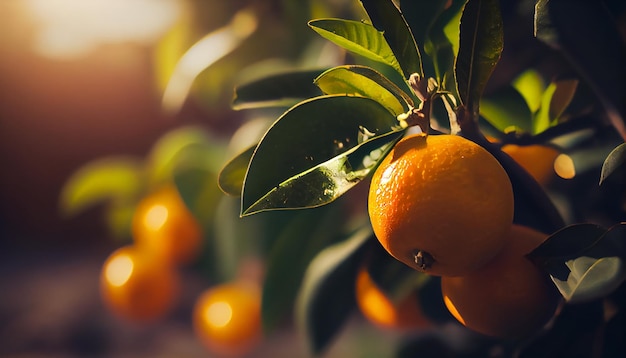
(102, 104)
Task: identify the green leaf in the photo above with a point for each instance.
(200, 193)
(277, 90)
(531, 86)
(591, 278)
(104, 180)
(585, 261)
(303, 237)
(442, 44)
(585, 32)
(480, 47)
(613, 161)
(366, 82)
(420, 16)
(554, 101)
(168, 153)
(388, 19)
(326, 297)
(506, 108)
(357, 37)
(316, 141)
(231, 177)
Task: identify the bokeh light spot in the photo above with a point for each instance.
(119, 270)
(219, 314)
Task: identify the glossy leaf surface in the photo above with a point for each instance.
(357, 37)
(315, 152)
(366, 82)
(388, 19)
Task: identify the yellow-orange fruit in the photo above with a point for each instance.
(379, 309)
(509, 297)
(137, 288)
(227, 318)
(538, 160)
(165, 228)
(441, 204)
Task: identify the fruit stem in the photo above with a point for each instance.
(423, 260)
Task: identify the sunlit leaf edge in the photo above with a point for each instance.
(615, 160)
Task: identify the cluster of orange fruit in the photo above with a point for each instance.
(444, 205)
(141, 282)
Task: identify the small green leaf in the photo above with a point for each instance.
(366, 82)
(531, 86)
(480, 46)
(319, 133)
(103, 180)
(277, 90)
(585, 261)
(357, 37)
(505, 109)
(591, 278)
(302, 238)
(326, 297)
(388, 19)
(613, 161)
(554, 101)
(232, 175)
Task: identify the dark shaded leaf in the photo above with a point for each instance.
(317, 141)
(367, 82)
(200, 193)
(480, 47)
(420, 16)
(587, 35)
(303, 237)
(357, 37)
(231, 177)
(613, 161)
(505, 109)
(387, 18)
(278, 90)
(327, 294)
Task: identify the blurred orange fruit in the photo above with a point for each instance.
(509, 297)
(379, 309)
(135, 287)
(164, 227)
(538, 160)
(441, 204)
(227, 318)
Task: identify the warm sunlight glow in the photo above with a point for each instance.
(119, 270)
(156, 217)
(564, 166)
(218, 314)
(71, 28)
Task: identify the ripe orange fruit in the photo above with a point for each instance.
(135, 287)
(164, 227)
(441, 204)
(227, 318)
(509, 297)
(379, 309)
(538, 160)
